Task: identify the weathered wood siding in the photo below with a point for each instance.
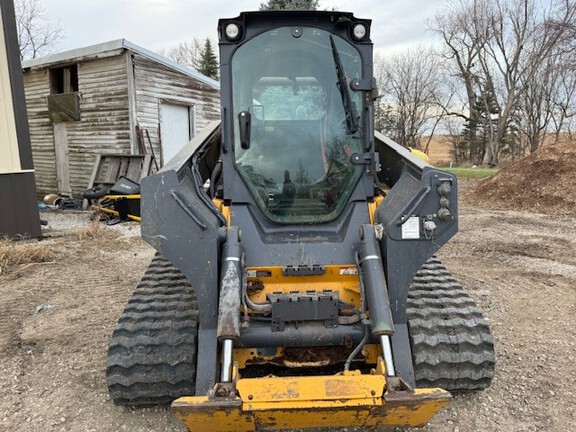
(103, 128)
(155, 83)
(37, 88)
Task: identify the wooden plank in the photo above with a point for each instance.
(131, 102)
(113, 169)
(62, 167)
(134, 169)
(95, 170)
(110, 167)
(146, 166)
(124, 167)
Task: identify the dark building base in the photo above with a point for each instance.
(18, 206)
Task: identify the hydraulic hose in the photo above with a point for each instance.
(358, 348)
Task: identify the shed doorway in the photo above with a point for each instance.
(176, 128)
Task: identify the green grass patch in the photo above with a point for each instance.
(471, 173)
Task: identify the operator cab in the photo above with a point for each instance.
(295, 121)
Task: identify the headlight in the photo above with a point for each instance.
(232, 31)
(359, 31)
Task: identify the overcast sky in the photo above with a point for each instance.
(158, 24)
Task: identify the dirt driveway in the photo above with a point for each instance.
(56, 319)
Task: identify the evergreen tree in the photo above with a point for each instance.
(208, 64)
(473, 144)
(511, 144)
(289, 5)
(480, 127)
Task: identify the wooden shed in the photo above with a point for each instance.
(93, 100)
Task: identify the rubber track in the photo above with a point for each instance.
(452, 347)
(152, 353)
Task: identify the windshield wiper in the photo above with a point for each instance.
(349, 107)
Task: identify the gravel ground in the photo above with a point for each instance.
(64, 222)
(56, 319)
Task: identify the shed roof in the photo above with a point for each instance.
(109, 48)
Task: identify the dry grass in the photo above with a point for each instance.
(16, 254)
(95, 230)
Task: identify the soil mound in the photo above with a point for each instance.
(544, 182)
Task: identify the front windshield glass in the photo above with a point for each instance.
(297, 165)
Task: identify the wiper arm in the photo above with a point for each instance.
(349, 107)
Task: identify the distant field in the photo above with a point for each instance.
(440, 151)
(471, 173)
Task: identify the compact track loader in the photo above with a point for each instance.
(295, 283)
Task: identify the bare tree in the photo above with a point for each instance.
(537, 103)
(564, 95)
(410, 88)
(524, 36)
(460, 149)
(187, 53)
(465, 28)
(564, 98)
(497, 48)
(36, 34)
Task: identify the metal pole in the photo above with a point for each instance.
(226, 361)
(387, 350)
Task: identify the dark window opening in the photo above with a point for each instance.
(64, 100)
(64, 79)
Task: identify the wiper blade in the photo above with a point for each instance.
(349, 106)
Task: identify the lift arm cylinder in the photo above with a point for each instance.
(230, 287)
(372, 275)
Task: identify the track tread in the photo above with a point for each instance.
(452, 346)
(152, 353)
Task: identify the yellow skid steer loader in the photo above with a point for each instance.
(295, 283)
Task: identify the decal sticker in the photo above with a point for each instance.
(411, 228)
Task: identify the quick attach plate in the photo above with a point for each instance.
(303, 306)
